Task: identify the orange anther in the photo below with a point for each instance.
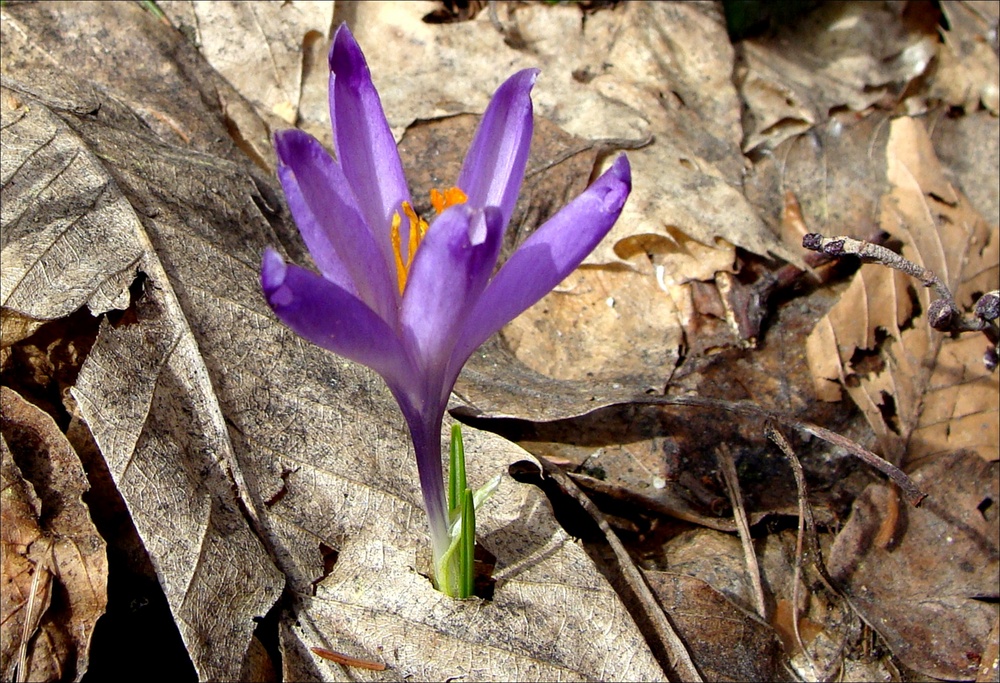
(450, 197)
(418, 228)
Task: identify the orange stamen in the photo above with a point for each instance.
(401, 268)
(451, 197)
(418, 228)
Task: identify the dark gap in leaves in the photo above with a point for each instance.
(987, 508)
(943, 21)
(330, 557)
(914, 299)
(137, 621)
(746, 18)
(596, 472)
(971, 300)
(136, 291)
(454, 11)
(267, 631)
(283, 491)
(42, 366)
(892, 243)
(571, 517)
(866, 362)
(839, 109)
(509, 428)
(923, 17)
(265, 198)
(136, 631)
(785, 122)
(887, 407)
(621, 423)
(484, 562)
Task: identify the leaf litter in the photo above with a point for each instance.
(50, 546)
(659, 287)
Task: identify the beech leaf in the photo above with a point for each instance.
(876, 344)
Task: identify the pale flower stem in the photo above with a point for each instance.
(427, 445)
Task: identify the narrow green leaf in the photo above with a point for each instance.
(468, 545)
(456, 469)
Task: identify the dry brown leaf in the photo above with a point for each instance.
(968, 71)
(551, 617)
(841, 54)
(825, 622)
(969, 147)
(26, 584)
(708, 621)
(600, 325)
(876, 342)
(155, 71)
(71, 551)
(264, 49)
(836, 172)
(926, 578)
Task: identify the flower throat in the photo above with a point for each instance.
(418, 228)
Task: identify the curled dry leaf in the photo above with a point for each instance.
(968, 71)
(926, 578)
(58, 539)
(845, 54)
(26, 585)
(150, 67)
(921, 393)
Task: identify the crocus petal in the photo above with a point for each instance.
(550, 254)
(314, 235)
(365, 147)
(333, 229)
(494, 166)
(330, 317)
(449, 273)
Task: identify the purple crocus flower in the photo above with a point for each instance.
(410, 300)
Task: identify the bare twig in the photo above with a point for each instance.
(805, 522)
(42, 565)
(913, 494)
(728, 468)
(680, 660)
(603, 146)
(943, 314)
